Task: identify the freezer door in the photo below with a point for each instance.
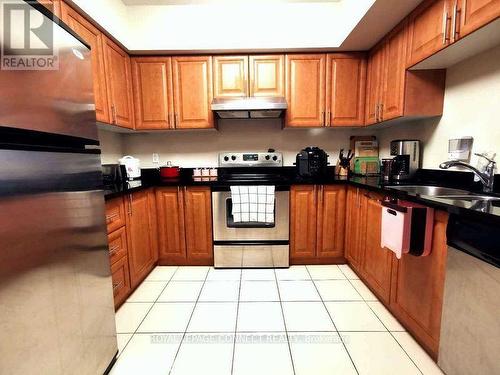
(59, 101)
(57, 313)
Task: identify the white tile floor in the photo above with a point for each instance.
(302, 320)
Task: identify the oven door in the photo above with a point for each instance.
(225, 229)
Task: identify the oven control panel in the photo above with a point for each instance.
(250, 159)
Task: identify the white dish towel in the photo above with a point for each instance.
(253, 203)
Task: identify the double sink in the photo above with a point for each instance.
(443, 193)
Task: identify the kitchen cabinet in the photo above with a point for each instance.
(354, 227)
(305, 86)
(142, 234)
(118, 84)
(153, 96)
(115, 214)
(53, 5)
(470, 15)
(376, 260)
(117, 244)
(185, 225)
(267, 75)
(429, 29)
(198, 221)
(392, 91)
(317, 217)
(94, 38)
(230, 76)
(120, 277)
(192, 83)
(345, 89)
(418, 288)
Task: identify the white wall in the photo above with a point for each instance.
(471, 107)
(111, 147)
(200, 148)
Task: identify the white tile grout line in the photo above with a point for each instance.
(331, 319)
(189, 321)
(373, 311)
(236, 324)
(284, 322)
(152, 304)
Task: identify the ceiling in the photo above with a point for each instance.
(198, 2)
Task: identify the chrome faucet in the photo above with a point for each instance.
(487, 177)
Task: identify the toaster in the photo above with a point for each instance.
(311, 162)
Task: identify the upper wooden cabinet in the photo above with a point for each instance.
(429, 29)
(267, 75)
(305, 86)
(317, 223)
(471, 15)
(119, 84)
(142, 234)
(153, 97)
(393, 91)
(345, 89)
(192, 82)
(93, 37)
(230, 76)
(53, 5)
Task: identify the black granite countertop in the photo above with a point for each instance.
(479, 209)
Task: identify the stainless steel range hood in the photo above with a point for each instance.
(251, 107)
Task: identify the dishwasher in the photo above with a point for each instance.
(470, 327)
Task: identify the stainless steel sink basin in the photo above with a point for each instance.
(432, 191)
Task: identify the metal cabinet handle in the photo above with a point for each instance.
(456, 28)
(176, 120)
(113, 113)
(112, 250)
(117, 285)
(328, 119)
(376, 112)
(446, 18)
(323, 116)
(112, 216)
(381, 112)
(130, 204)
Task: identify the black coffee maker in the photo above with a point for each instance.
(312, 162)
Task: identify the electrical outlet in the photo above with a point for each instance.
(156, 158)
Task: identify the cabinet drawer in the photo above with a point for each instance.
(115, 214)
(121, 280)
(117, 244)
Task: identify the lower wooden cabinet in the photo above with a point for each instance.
(121, 281)
(185, 225)
(418, 288)
(142, 234)
(411, 287)
(317, 216)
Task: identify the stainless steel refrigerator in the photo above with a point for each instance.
(56, 295)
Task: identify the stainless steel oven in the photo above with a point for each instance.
(250, 244)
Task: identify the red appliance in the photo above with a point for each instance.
(170, 171)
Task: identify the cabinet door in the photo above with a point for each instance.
(93, 37)
(394, 74)
(115, 214)
(230, 76)
(53, 5)
(418, 287)
(267, 75)
(121, 281)
(475, 14)
(192, 81)
(354, 227)
(153, 102)
(141, 229)
(198, 222)
(331, 221)
(429, 29)
(377, 261)
(171, 232)
(374, 84)
(303, 223)
(305, 90)
(345, 93)
(117, 245)
(119, 84)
